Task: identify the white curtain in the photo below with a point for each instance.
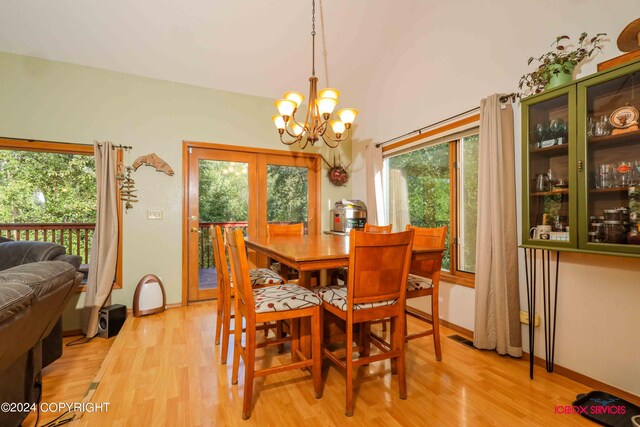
(104, 246)
(375, 197)
(497, 321)
(398, 200)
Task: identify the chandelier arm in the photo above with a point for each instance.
(296, 139)
(330, 145)
(344, 136)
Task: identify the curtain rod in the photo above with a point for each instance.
(124, 147)
(503, 99)
(419, 131)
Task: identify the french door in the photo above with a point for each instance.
(245, 188)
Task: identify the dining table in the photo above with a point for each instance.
(310, 253)
(316, 252)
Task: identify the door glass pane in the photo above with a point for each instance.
(288, 194)
(419, 190)
(613, 161)
(467, 202)
(224, 201)
(549, 170)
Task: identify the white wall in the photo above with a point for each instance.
(452, 55)
(54, 101)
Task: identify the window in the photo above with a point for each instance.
(435, 185)
(48, 193)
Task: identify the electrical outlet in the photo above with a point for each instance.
(524, 318)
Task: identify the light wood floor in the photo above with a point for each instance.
(164, 370)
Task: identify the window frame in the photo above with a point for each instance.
(17, 144)
(454, 275)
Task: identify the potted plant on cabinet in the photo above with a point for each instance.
(557, 66)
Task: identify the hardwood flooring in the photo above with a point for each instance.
(164, 370)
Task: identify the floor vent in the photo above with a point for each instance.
(462, 340)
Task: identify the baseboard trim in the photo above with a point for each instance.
(583, 379)
(446, 324)
(72, 332)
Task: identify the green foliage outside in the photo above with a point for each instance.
(38, 187)
(46, 188)
(427, 175)
(426, 172)
(224, 191)
(287, 194)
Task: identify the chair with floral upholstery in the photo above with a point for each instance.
(268, 304)
(375, 289)
(259, 277)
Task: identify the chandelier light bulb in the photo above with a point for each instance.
(329, 93)
(279, 122)
(296, 97)
(347, 115)
(337, 126)
(297, 129)
(326, 105)
(285, 108)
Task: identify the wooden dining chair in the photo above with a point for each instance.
(259, 277)
(339, 275)
(424, 280)
(269, 304)
(370, 228)
(280, 230)
(375, 289)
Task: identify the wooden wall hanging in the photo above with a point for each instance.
(155, 161)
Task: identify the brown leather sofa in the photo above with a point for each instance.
(37, 279)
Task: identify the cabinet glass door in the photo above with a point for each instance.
(609, 127)
(549, 183)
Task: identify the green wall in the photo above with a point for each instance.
(54, 101)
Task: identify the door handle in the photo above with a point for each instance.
(195, 230)
(193, 218)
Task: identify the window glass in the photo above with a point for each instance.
(419, 190)
(467, 202)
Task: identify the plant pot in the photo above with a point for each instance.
(561, 77)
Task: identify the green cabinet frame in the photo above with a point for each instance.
(576, 92)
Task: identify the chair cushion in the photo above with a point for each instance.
(416, 283)
(284, 297)
(264, 276)
(337, 296)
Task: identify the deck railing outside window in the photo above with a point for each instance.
(75, 237)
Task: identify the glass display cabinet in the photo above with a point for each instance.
(549, 180)
(581, 165)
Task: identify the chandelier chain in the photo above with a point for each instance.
(313, 37)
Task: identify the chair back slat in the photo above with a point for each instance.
(378, 266)
(220, 261)
(370, 228)
(239, 268)
(296, 229)
(428, 238)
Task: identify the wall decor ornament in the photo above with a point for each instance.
(337, 174)
(155, 161)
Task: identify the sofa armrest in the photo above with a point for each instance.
(25, 252)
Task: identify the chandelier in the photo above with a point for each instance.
(320, 107)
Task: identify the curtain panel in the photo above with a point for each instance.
(375, 196)
(104, 246)
(497, 303)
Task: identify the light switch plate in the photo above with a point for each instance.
(154, 214)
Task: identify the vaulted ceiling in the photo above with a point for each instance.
(410, 61)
